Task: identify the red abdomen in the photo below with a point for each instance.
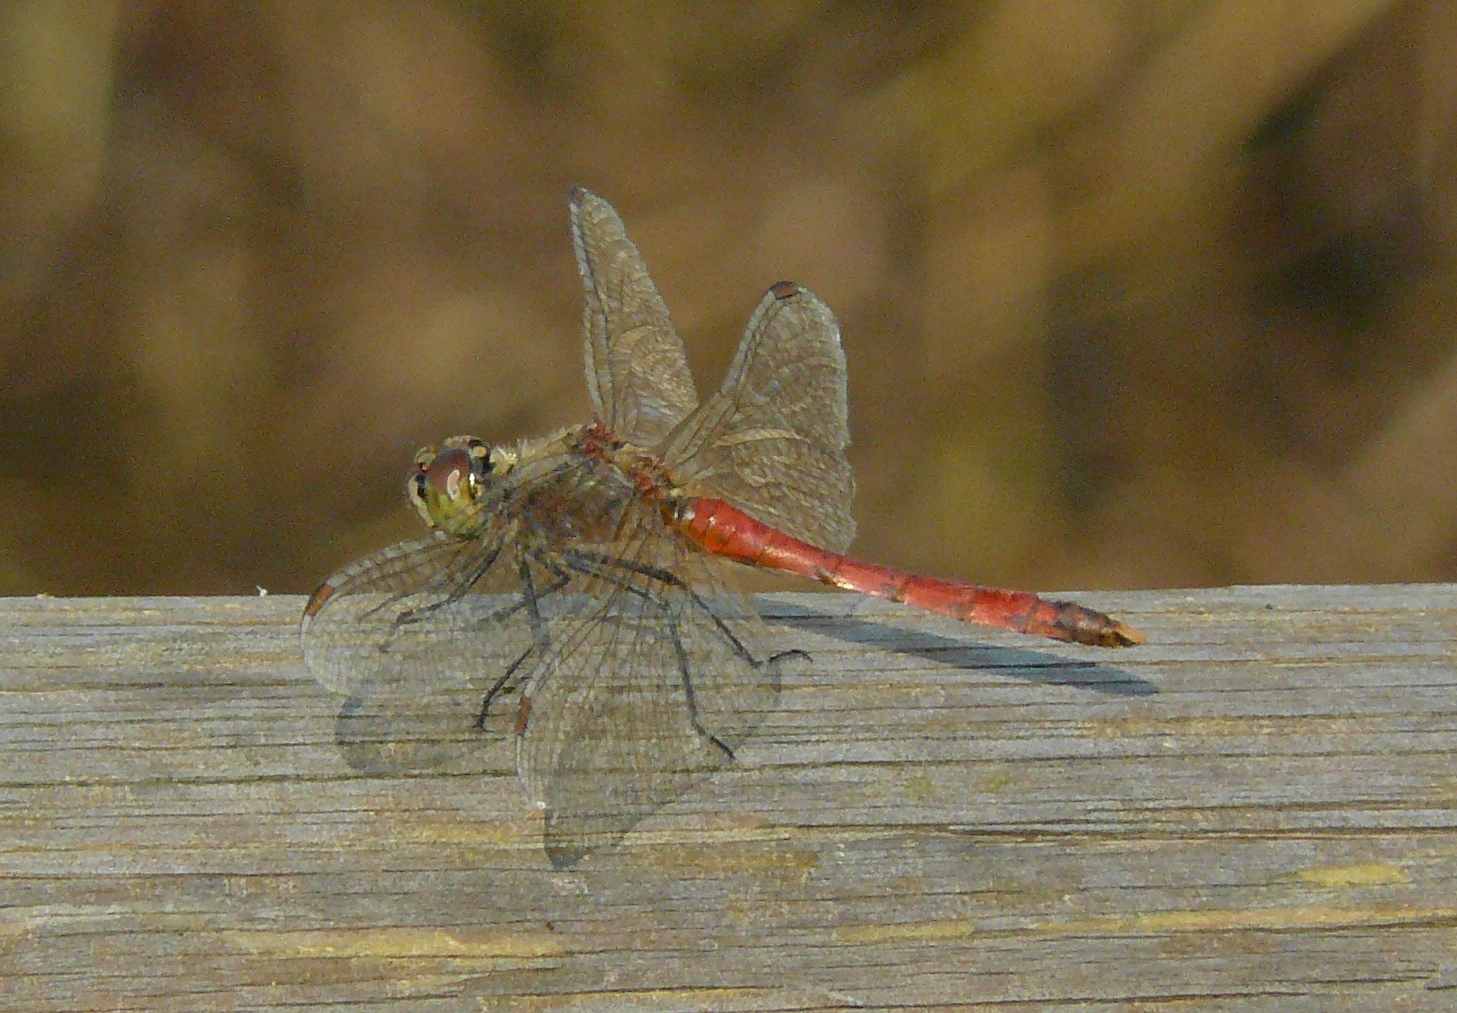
(724, 530)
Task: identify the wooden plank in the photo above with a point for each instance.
(1259, 806)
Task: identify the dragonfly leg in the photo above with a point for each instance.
(794, 652)
(657, 573)
(457, 592)
(589, 564)
(595, 565)
(685, 675)
(540, 638)
(499, 685)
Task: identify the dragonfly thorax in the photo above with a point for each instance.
(448, 486)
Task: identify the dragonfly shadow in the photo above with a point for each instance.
(433, 733)
(955, 652)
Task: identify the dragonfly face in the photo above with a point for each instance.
(448, 486)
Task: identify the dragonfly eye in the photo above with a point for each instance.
(480, 457)
(448, 486)
(417, 487)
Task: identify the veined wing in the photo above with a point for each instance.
(414, 636)
(633, 701)
(635, 680)
(421, 613)
(637, 374)
(772, 440)
(401, 620)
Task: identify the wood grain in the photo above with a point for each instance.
(1257, 808)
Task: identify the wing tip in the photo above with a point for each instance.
(318, 599)
(1120, 634)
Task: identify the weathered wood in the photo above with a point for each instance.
(1259, 806)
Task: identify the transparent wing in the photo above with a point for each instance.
(413, 636)
(639, 697)
(638, 675)
(403, 618)
(772, 440)
(637, 374)
(419, 614)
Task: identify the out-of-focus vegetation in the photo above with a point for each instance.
(1134, 292)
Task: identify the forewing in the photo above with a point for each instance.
(412, 636)
(407, 616)
(637, 374)
(772, 441)
(638, 698)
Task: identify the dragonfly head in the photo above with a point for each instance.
(448, 486)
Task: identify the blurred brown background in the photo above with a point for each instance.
(1134, 292)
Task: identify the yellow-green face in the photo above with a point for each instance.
(448, 486)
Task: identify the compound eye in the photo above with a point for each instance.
(480, 456)
(416, 486)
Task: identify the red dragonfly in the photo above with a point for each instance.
(583, 568)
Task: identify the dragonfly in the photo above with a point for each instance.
(587, 572)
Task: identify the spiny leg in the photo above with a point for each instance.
(589, 564)
(667, 577)
(541, 640)
(498, 685)
(456, 593)
(686, 677)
